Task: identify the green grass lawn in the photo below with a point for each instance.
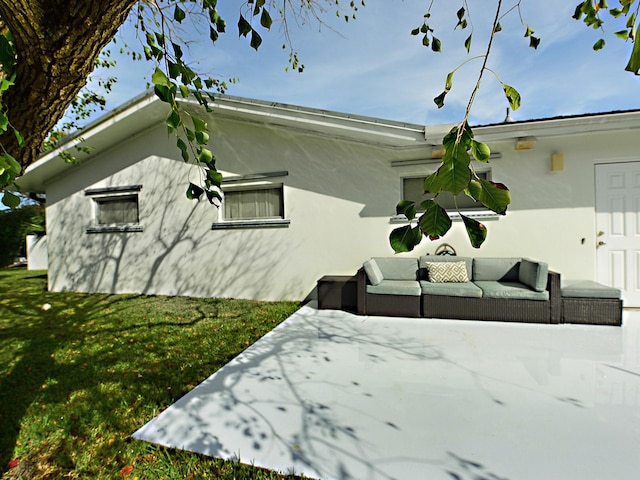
(76, 380)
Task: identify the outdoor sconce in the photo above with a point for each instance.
(526, 143)
(557, 162)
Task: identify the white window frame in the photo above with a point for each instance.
(100, 196)
(248, 183)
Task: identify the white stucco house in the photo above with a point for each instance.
(309, 193)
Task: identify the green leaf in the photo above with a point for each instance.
(19, 137)
(405, 238)
(10, 200)
(455, 175)
(265, 19)
(460, 13)
(530, 31)
(467, 43)
(476, 231)
(213, 35)
(512, 95)
(256, 40)
(406, 208)
(415, 31)
(214, 177)
(495, 196)
(480, 151)
(194, 192)
(432, 184)
(534, 42)
(435, 221)
(212, 195)
(199, 125)
(5, 83)
(425, 40)
(439, 100)
(178, 14)
(244, 27)
(634, 60)
(577, 14)
(177, 50)
(436, 45)
(160, 79)
(623, 34)
(4, 122)
(474, 190)
(184, 91)
(173, 121)
(498, 28)
(182, 145)
(12, 163)
(599, 45)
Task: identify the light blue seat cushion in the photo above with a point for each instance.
(496, 269)
(533, 274)
(397, 268)
(443, 258)
(396, 287)
(512, 290)
(588, 289)
(464, 289)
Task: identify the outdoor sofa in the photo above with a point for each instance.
(452, 287)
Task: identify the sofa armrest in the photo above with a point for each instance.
(555, 296)
(361, 279)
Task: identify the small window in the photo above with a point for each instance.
(254, 203)
(413, 190)
(115, 209)
(119, 210)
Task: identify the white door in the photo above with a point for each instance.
(618, 224)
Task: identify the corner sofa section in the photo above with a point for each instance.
(500, 289)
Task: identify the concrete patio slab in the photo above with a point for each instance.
(337, 396)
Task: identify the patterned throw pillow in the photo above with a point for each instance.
(447, 272)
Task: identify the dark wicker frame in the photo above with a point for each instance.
(464, 308)
(386, 305)
(592, 311)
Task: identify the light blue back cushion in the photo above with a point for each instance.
(373, 272)
(397, 268)
(496, 269)
(533, 274)
(443, 258)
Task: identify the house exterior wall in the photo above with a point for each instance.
(37, 253)
(339, 196)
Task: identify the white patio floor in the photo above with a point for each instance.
(337, 396)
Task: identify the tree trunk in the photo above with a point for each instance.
(57, 43)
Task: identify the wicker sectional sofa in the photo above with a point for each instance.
(500, 289)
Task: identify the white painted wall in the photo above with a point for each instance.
(339, 197)
(37, 253)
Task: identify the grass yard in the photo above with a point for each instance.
(77, 379)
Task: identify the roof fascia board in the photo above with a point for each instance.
(313, 119)
(560, 126)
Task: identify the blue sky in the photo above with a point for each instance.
(373, 66)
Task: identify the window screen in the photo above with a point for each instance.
(117, 210)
